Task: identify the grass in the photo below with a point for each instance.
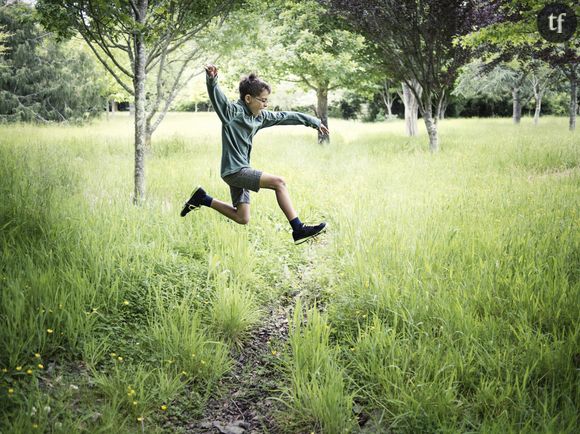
(445, 296)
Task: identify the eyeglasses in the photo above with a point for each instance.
(262, 100)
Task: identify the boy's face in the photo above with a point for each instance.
(257, 103)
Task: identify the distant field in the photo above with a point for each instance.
(445, 296)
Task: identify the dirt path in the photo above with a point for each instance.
(245, 404)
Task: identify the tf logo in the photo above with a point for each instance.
(557, 22)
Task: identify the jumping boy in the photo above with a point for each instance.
(241, 120)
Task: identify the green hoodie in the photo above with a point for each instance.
(239, 126)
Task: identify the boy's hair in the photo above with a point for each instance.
(253, 86)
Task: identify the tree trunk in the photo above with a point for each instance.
(388, 101)
(140, 114)
(442, 106)
(573, 101)
(388, 98)
(322, 111)
(538, 94)
(411, 109)
(517, 105)
(431, 124)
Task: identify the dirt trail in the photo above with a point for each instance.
(245, 404)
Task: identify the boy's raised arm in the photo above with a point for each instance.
(225, 110)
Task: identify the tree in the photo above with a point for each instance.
(388, 94)
(321, 56)
(540, 78)
(409, 97)
(414, 40)
(495, 83)
(152, 38)
(3, 36)
(40, 79)
(513, 28)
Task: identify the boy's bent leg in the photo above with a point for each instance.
(278, 184)
(239, 214)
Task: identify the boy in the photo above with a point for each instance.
(240, 123)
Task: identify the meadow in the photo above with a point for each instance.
(444, 297)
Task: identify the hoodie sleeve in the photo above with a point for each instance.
(269, 119)
(225, 110)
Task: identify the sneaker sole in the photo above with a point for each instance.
(186, 207)
(311, 236)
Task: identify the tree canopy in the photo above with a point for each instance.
(414, 42)
(512, 32)
(137, 39)
(42, 80)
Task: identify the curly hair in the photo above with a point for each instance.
(253, 86)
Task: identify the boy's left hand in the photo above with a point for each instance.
(322, 128)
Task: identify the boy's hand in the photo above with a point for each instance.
(322, 128)
(211, 70)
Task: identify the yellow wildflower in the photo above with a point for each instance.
(140, 419)
(126, 302)
(37, 355)
(49, 331)
(120, 359)
(10, 391)
(163, 407)
(113, 355)
(29, 371)
(134, 402)
(19, 368)
(274, 352)
(4, 370)
(40, 366)
(34, 425)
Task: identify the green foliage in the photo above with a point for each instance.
(3, 37)
(234, 313)
(518, 28)
(493, 85)
(42, 80)
(317, 395)
(451, 307)
(316, 51)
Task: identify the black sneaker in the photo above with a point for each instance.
(306, 233)
(194, 201)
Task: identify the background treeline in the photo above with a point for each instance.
(44, 79)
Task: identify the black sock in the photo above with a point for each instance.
(206, 201)
(295, 223)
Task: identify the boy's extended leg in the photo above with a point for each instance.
(240, 214)
(300, 232)
(278, 184)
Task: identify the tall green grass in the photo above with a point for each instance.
(448, 283)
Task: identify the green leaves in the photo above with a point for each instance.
(40, 79)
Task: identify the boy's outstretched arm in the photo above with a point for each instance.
(225, 110)
(269, 119)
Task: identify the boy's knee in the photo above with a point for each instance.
(280, 182)
(243, 220)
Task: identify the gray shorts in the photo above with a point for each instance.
(241, 183)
